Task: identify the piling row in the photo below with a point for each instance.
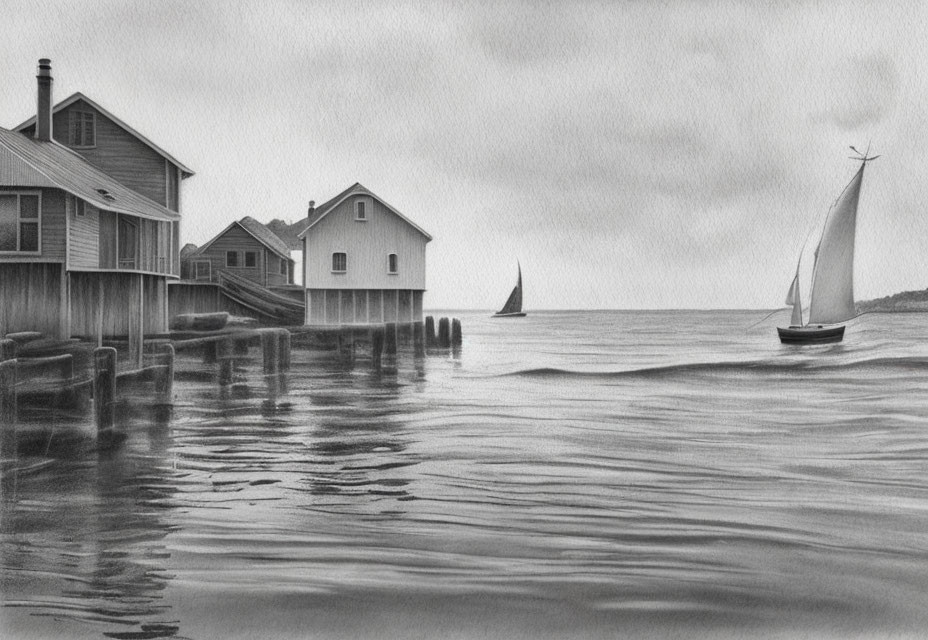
(220, 351)
(449, 333)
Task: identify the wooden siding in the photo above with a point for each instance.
(274, 277)
(117, 152)
(84, 232)
(367, 244)
(362, 306)
(173, 186)
(186, 297)
(120, 303)
(31, 296)
(266, 271)
(203, 297)
(53, 228)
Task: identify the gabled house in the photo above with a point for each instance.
(89, 223)
(246, 248)
(363, 261)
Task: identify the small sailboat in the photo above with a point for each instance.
(832, 293)
(513, 306)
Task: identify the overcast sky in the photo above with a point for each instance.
(638, 155)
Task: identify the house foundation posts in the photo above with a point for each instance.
(104, 392)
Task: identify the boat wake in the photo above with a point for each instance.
(748, 367)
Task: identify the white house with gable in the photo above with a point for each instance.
(363, 262)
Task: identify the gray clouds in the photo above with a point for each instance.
(632, 155)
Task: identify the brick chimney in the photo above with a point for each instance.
(312, 209)
(43, 116)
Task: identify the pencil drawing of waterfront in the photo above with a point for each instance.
(463, 320)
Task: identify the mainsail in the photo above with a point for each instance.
(833, 274)
(514, 303)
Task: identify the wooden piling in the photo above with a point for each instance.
(418, 339)
(7, 409)
(104, 391)
(444, 333)
(226, 360)
(429, 332)
(164, 383)
(456, 336)
(7, 349)
(209, 352)
(284, 350)
(270, 346)
(389, 343)
(8, 393)
(377, 336)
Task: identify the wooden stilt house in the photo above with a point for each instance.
(363, 261)
(89, 223)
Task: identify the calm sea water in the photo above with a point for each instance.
(587, 475)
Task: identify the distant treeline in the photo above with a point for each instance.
(288, 232)
(904, 301)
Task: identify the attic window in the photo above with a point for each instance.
(360, 210)
(82, 129)
(106, 195)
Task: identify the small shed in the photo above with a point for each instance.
(245, 248)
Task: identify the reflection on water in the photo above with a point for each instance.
(572, 475)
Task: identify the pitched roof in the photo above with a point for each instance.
(259, 232)
(356, 189)
(267, 237)
(28, 162)
(185, 172)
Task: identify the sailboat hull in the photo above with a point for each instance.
(517, 314)
(810, 335)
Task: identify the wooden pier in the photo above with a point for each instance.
(74, 377)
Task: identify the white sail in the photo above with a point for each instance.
(833, 275)
(795, 299)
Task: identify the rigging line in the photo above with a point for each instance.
(767, 316)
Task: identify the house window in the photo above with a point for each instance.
(251, 259)
(283, 267)
(392, 264)
(74, 206)
(360, 210)
(231, 258)
(201, 270)
(82, 130)
(20, 216)
(339, 262)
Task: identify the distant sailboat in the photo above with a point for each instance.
(513, 306)
(832, 294)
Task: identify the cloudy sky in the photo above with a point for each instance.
(631, 155)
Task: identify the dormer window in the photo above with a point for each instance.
(360, 210)
(82, 129)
